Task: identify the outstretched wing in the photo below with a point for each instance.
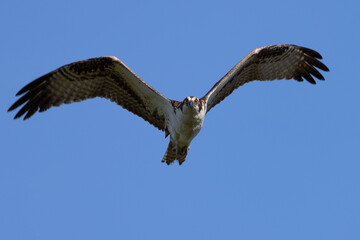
(283, 61)
(105, 77)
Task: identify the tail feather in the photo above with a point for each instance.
(170, 155)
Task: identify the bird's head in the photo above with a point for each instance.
(192, 103)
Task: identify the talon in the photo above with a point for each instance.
(184, 150)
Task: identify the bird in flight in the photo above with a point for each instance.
(109, 78)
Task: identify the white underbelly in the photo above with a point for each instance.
(186, 133)
(185, 128)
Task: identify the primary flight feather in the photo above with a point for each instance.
(109, 78)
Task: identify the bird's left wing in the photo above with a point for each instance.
(105, 77)
(282, 61)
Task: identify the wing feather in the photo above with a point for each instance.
(105, 77)
(282, 61)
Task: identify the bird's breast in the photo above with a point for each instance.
(186, 125)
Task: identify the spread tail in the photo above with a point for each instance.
(171, 155)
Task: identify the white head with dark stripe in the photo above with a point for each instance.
(193, 103)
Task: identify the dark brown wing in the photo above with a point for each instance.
(283, 61)
(105, 77)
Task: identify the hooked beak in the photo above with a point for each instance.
(190, 104)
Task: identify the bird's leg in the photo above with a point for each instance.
(184, 150)
(183, 154)
(175, 148)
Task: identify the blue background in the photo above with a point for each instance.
(275, 160)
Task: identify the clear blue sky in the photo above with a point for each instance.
(275, 160)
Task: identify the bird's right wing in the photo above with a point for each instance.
(105, 77)
(283, 61)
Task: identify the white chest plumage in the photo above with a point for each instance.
(186, 124)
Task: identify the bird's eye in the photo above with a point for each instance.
(196, 101)
(186, 100)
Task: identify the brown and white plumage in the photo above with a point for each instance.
(105, 77)
(282, 61)
(109, 78)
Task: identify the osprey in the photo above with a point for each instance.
(109, 78)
